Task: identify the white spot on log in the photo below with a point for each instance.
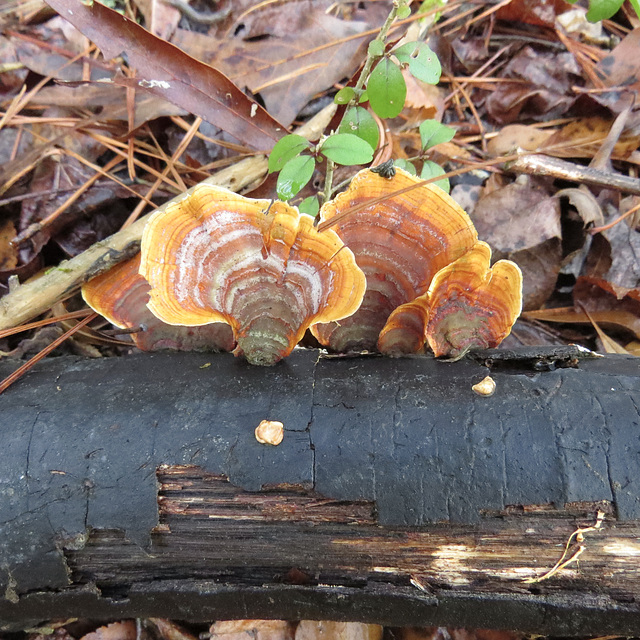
(450, 562)
(625, 548)
(254, 109)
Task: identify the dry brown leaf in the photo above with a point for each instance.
(252, 630)
(537, 12)
(621, 69)
(170, 630)
(518, 136)
(160, 17)
(326, 630)
(546, 92)
(625, 249)
(583, 137)
(522, 222)
(123, 630)
(112, 100)
(167, 72)
(289, 64)
(519, 216)
(8, 253)
(606, 303)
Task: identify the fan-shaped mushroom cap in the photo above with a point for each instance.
(399, 243)
(403, 332)
(121, 295)
(255, 264)
(473, 306)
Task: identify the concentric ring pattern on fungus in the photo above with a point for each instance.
(473, 305)
(121, 295)
(257, 265)
(400, 243)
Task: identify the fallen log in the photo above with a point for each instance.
(135, 487)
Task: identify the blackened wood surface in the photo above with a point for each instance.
(428, 470)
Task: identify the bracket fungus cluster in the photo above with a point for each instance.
(400, 243)
(401, 266)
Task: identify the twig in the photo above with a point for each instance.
(542, 165)
(578, 534)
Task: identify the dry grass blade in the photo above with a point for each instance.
(72, 315)
(18, 373)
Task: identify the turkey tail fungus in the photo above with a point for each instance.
(468, 306)
(257, 265)
(400, 243)
(473, 305)
(121, 295)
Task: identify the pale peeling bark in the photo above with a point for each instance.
(36, 296)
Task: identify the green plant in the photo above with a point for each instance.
(604, 9)
(382, 85)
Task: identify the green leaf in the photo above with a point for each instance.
(294, 176)
(603, 9)
(423, 62)
(431, 170)
(376, 48)
(310, 206)
(387, 89)
(406, 165)
(364, 97)
(286, 148)
(345, 148)
(344, 95)
(360, 122)
(432, 133)
(404, 11)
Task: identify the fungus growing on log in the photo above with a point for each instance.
(473, 305)
(121, 295)
(469, 305)
(257, 265)
(400, 243)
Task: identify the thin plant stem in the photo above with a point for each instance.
(358, 89)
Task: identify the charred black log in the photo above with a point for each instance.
(136, 487)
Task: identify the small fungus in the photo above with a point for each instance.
(121, 295)
(270, 432)
(486, 387)
(400, 243)
(468, 306)
(257, 265)
(473, 305)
